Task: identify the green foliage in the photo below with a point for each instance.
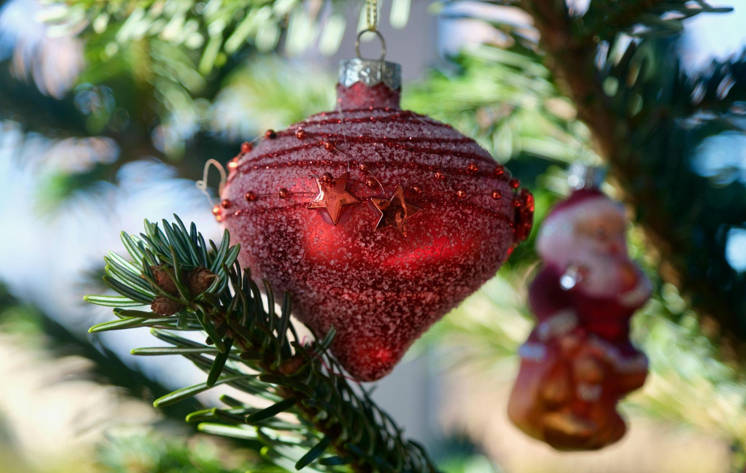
(138, 450)
(509, 101)
(471, 464)
(210, 31)
(174, 56)
(267, 93)
(640, 18)
(719, 89)
(315, 418)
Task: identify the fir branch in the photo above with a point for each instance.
(254, 349)
(607, 18)
(508, 101)
(572, 63)
(719, 89)
(208, 31)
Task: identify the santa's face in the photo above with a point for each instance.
(589, 237)
(601, 231)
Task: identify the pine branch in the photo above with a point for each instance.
(607, 18)
(572, 63)
(18, 98)
(508, 101)
(715, 90)
(250, 347)
(208, 33)
(571, 45)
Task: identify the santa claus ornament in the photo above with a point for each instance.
(578, 361)
(377, 220)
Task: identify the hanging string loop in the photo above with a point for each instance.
(202, 184)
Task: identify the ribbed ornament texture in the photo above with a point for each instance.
(379, 284)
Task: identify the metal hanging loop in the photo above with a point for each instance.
(380, 36)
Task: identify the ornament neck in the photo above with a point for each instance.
(582, 177)
(360, 95)
(368, 83)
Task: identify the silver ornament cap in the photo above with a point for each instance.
(581, 176)
(370, 72)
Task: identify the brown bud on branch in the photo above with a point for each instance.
(163, 305)
(199, 280)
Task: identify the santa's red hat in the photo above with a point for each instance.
(577, 197)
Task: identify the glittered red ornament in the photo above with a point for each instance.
(341, 219)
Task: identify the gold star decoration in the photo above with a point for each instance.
(395, 211)
(333, 195)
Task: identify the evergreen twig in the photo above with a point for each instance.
(332, 424)
(606, 19)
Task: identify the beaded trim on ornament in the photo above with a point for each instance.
(557, 325)
(387, 198)
(522, 202)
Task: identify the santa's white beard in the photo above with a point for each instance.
(604, 275)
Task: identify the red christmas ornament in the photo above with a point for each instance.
(377, 220)
(578, 361)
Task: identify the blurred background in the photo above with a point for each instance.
(109, 111)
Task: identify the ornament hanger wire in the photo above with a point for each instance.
(371, 18)
(202, 184)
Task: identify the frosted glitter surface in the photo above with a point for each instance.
(379, 289)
